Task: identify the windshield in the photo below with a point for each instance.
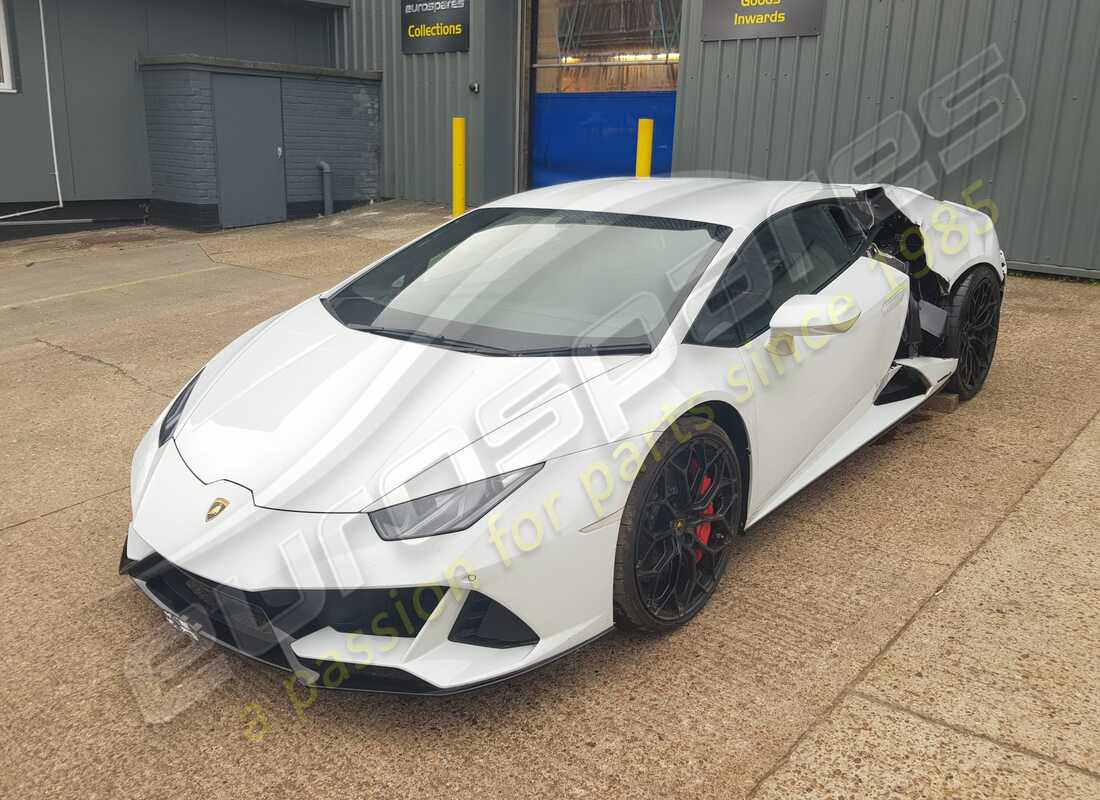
(509, 281)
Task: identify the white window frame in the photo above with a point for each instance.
(7, 84)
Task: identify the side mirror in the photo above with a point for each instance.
(810, 315)
(815, 315)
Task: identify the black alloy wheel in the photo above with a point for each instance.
(973, 322)
(678, 527)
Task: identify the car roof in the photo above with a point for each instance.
(724, 201)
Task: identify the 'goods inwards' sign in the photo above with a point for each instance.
(760, 19)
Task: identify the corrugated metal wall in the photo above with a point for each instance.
(421, 93)
(786, 108)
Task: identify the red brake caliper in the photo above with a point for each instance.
(702, 530)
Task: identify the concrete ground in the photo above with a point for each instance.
(923, 622)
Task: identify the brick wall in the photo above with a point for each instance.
(326, 118)
(179, 120)
(338, 121)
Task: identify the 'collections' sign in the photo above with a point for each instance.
(761, 19)
(435, 26)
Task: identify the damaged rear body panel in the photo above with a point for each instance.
(936, 243)
(953, 238)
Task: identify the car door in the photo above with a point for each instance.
(803, 397)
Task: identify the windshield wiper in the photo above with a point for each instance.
(410, 335)
(587, 350)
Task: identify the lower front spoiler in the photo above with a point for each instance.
(272, 647)
(381, 680)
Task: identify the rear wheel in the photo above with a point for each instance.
(678, 525)
(973, 321)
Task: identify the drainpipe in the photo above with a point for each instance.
(326, 185)
(49, 110)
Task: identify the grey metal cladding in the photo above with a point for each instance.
(785, 108)
(421, 93)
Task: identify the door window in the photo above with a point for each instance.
(798, 251)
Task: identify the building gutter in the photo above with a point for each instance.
(239, 65)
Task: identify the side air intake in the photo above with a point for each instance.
(906, 383)
(486, 623)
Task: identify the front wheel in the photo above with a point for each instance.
(680, 519)
(973, 322)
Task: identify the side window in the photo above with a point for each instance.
(795, 252)
(741, 294)
(854, 218)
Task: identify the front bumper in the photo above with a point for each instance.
(243, 622)
(444, 614)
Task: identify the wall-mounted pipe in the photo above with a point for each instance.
(326, 185)
(49, 111)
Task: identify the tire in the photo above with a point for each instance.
(693, 540)
(973, 321)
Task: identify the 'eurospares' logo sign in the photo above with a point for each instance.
(435, 26)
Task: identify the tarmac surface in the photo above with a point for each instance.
(922, 622)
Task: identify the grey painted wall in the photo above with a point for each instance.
(97, 90)
(786, 108)
(421, 93)
(25, 160)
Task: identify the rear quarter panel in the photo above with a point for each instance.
(956, 237)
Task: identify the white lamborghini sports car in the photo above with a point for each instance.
(546, 418)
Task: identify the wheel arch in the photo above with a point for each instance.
(1002, 277)
(729, 419)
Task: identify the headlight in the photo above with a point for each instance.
(448, 511)
(175, 411)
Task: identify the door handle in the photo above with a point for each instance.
(278, 151)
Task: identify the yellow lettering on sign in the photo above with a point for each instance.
(759, 19)
(439, 29)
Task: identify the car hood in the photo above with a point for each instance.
(312, 416)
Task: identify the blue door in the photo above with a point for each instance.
(579, 135)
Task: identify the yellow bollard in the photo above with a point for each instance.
(644, 160)
(458, 166)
